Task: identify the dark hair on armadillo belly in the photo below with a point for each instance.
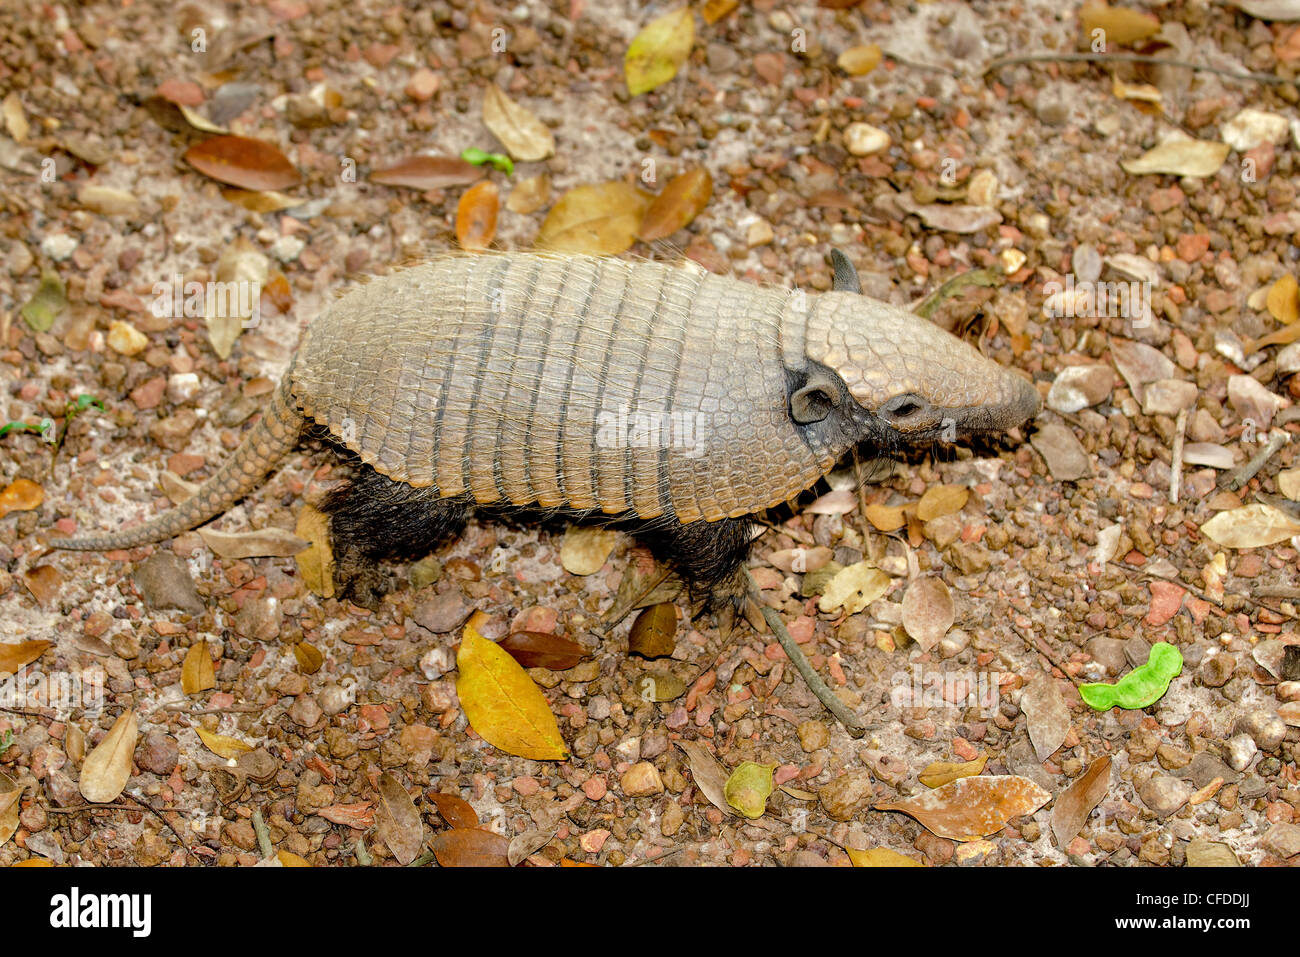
(375, 519)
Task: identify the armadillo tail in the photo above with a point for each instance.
(268, 442)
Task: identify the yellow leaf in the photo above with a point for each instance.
(502, 704)
(221, 745)
(881, 857)
(887, 518)
(309, 657)
(854, 588)
(1250, 526)
(524, 136)
(289, 859)
(34, 862)
(1284, 300)
(1180, 155)
(859, 61)
(107, 769)
(945, 772)
(13, 657)
(601, 219)
(659, 50)
(316, 563)
(1119, 24)
(749, 787)
(196, 672)
(22, 495)
(940, 500)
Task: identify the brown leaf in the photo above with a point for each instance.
(715, 10)
(360, 816)
(197, 673)
(44, 582)
(14, 657)
(537, 649)
(316, 563)
(428, 172)
(400, 826)
(470, 847)
(601, 219)
(682, 200)
(708, 774)
(1076, 802)
(263, 201)
(21, 495)
(10, 792)
(971, 808)
(455, 810)
(269, 542)
(887, 518)
(940, 500)
(529, 843)
(939, 773)
(928, 610)
(309, 657)
(529, 195)
(476, 216)
(107, 769)
(654, 632)
(644, 582)
(1046, 714)
(243, 162)
(1119, 24)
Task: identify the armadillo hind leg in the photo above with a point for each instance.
(373, 519)
(261, 451)
(710, 556)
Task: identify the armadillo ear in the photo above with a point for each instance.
(846, 275)
(814, 401)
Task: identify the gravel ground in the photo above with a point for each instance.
(1065, 563)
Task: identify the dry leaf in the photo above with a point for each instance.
(107, 769)
(585, 549)
(1283, 300)
(645, 582)
(197, 673)
(1120, 25)
(537, 649)
(528, 843)
(1250, 526)
(262, 201)
(715, 10)
(502, 704)
(44, 582)
(470, 847)
(682, 200)
(524, 136)
(1281, 10)
(529, 195)
(455, 810)
(928, 610)
(9, 795)
(222, 745)
(939, 773)
(971, 808)
(428, 172)
(880, 857)
(749, 787)
(940, 500)
(1180, 155)
(245, 265)
(601, 220)
(708, 774)
(659, 50)
(1046, 715)
(1077, 801)
(887, 518)
(270, 542)
(243, 162)
(839, 502)
(47, 303)
(1288, 483)
(290, 859)
(400, 826)
(476, 216)
(654, 632)
(16, 656)
(360, 816)
(861, 60)
(316, 563)
(853, 588)
(309, 657)
(15, 119)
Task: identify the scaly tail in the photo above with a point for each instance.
(268, 442)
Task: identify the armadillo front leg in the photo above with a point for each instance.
(709, 555)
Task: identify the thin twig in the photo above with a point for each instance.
(852, 723)
(263, 834)
(1236, 479)
(1128, 58)
(1038, 644)
(166, 823)
(1176, 460)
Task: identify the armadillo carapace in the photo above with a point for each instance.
(661, 394)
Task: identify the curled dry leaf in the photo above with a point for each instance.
(939, 773)
(538, 649)
(16, 656)
(659, 50)
(928, 610)
(1077, 801)
(524, 136)
(708, 774)
(853, 588)
(315, 563)
(222, 745)
(400, 826)
(455, 810)
(1180, 156)
(268, 542)
(971, 808)
(470, 847)
(502, 704)
(645, 582)
(654, 632)
(197, 673)
(585, 549)
(682, 200)
(1251, 526)
(107, 768)
(601, 220)
(243, 162)
(1046, 715)
(360, 815)
(476, 216)
(428, 172)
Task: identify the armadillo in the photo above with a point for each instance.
(683, 401)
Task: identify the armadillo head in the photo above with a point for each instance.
(907, 380)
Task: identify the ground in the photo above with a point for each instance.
(1065, 561)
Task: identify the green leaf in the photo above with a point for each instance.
(659, 50)
(1141, 687)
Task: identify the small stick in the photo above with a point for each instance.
(1176, 465)
(1241, 476)
(1036, 643)
(263, 834)
(166, 823)
(1128, 58)
(852, 723)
